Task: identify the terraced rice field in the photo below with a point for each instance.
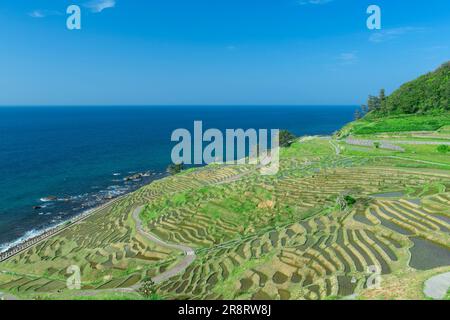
(256, 237)
(313, 258)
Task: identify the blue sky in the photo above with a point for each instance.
(215, 51)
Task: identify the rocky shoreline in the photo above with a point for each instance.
(53, 230)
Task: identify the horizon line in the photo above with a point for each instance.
(175, 105)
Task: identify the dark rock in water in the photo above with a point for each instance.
(134, 177)
(37, 207)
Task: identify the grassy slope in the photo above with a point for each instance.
(399, 123)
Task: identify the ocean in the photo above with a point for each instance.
(81, 156)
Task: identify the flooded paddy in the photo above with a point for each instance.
(426, 255)
(395, 194)
(361, 217)
(390, 225)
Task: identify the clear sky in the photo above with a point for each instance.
(215, 51)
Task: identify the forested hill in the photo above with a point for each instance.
(429, 93)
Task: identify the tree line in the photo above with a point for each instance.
(427, 94)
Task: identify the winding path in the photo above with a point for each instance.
(437, 286)
(180, 266)
(336, 147)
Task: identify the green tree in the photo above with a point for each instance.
(286, 138)
(175, 168)
(364, 109)
(147, 289)
(382, 102)
(427, 94)
(373, 104)
(345, 201)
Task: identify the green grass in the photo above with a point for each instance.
(445, 130)
(307, 148)
(399, 123)
(414, 152)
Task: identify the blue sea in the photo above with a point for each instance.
(81, 156)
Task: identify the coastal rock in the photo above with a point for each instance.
(133, 177)
(138, 176)
(37, 207)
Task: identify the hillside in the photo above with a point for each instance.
(418, 105)
(426, 94)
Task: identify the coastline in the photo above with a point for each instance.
(25, 242)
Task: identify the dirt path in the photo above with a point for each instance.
(437, 286)
(411, 142)
(181, 266)
(416, 142)
(178, 268)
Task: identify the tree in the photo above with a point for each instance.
(345, 201)
(364, 109)
(382, 102)
(286, 138)
(175, 168)
(373, 103)
(147, 289)
(428, 94)
(382, 96)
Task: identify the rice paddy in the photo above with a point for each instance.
(255, 237)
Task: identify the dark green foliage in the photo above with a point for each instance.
(345, 201)
(175, 168)
(147, 289)
(349, 200)
(429, 93)
(286, 138)
(373, 104)
(376, 145)
(364, 109)
(443, 148)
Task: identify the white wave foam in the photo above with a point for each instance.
(27, 236)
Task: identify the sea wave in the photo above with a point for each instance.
(27, 236)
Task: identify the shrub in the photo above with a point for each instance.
(175, 168)
(286, 138)
(443, 148)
